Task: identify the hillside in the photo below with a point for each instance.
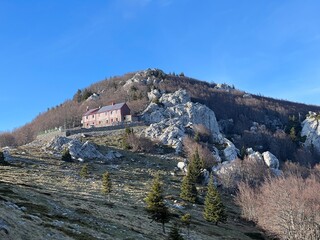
(236, 111)
(192, 131)
(43, 197)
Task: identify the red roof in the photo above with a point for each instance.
(91, 111)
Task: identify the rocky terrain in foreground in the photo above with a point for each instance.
(45, 198)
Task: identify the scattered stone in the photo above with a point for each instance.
(271, 160)
(182, 166)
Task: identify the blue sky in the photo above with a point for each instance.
(49, 49)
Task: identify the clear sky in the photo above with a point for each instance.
(51, 48)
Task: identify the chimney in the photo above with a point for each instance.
(112, 103)
(99, 107)
(87, 108)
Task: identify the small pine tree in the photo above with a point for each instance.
(243, 152)
(293, 134)
(214, 210)
(106, 183)
(127, 133)
(174, 233)
(66, 156)
(197, 137)
(195, 167)
(186, 221)
(155, 203)
(2, 159)
(84, 172)
(188, 189)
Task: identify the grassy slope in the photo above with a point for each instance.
(44, 198)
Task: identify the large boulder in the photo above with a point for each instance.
(175, 111)
(271, 160)
(254, 156)
(79, 150)
(230, 152)
(311, 130)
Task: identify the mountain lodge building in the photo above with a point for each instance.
(113, 114)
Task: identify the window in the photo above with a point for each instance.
(107, 121)
(116, 119)
(92, 116)
(86, 117)
(111, 119)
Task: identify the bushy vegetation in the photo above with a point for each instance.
(106, 183)
(214, 210)
(174, 233)
(2, 159)
(136, 143)
(84, 172)
(287, 207)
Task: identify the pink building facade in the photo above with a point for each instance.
(106, 116)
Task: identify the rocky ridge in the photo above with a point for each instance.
(172, 114)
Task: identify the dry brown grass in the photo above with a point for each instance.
(44, 198)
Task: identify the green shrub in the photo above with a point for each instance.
(66, 156)
(84, 172)
(106, 183)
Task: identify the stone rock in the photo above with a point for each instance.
(254, 156)
(149, 76)
(182, 166)
(154, 94)
(311, 130)
(205, 174)
(4, 226)
(223, 86)
(169, 119)
(79, 150)
(271, 160)
(247, 95)
(276, 172)
(224, 167)
(93, 97)
(172, 99)
(216, 155)
(230, 152)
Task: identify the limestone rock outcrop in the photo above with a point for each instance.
(311, 130)
(169, 118)
(79, 150)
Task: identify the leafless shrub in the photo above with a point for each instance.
(250, 170)
(190, 146)
(295, 169)
(6, 139)
(203, 132)
(287, 207)
(247, 199)
(139, 144)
